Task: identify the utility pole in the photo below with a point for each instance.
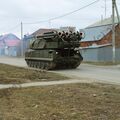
(114, 7)
(21, 39)
(113, 30)
(117, 13)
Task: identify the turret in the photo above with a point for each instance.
(56, 40)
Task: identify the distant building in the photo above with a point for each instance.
(2, 47)
(26, 42)
(42, 30)
(67, 29)
(9, 45)
(97, 42)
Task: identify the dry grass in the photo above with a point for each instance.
(59, 102)
(63, 102)
(12, 74)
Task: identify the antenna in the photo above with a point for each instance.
(105, 8)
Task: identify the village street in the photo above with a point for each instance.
(84, 73)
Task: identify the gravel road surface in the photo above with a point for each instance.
(105, 74)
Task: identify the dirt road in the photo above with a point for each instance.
(106, 74)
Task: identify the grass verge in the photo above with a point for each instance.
(63, 102)
(12, 74)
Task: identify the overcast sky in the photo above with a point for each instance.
(12, 12)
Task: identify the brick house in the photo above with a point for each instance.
(97, 43)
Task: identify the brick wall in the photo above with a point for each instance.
(105, 40)
(117, 36)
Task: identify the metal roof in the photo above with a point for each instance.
(96, 46)
(41, 31)
(104, 22)
(95, 33)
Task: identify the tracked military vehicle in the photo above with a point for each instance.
(54, 50)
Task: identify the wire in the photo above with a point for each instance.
(13, 28)
(54, 18)
(74, 11)
(36, 22)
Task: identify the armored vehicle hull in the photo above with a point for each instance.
(51, 51)
(54, 59)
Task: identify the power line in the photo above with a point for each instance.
(36, 22)
(69, 13)
(13, 28)
(75, 10)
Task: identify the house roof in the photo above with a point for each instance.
(98, 30)
(9, 37)
(1, 43)
(9, 40)
(96, 46)
(95, 33)
(42, 30)
(106, 21)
